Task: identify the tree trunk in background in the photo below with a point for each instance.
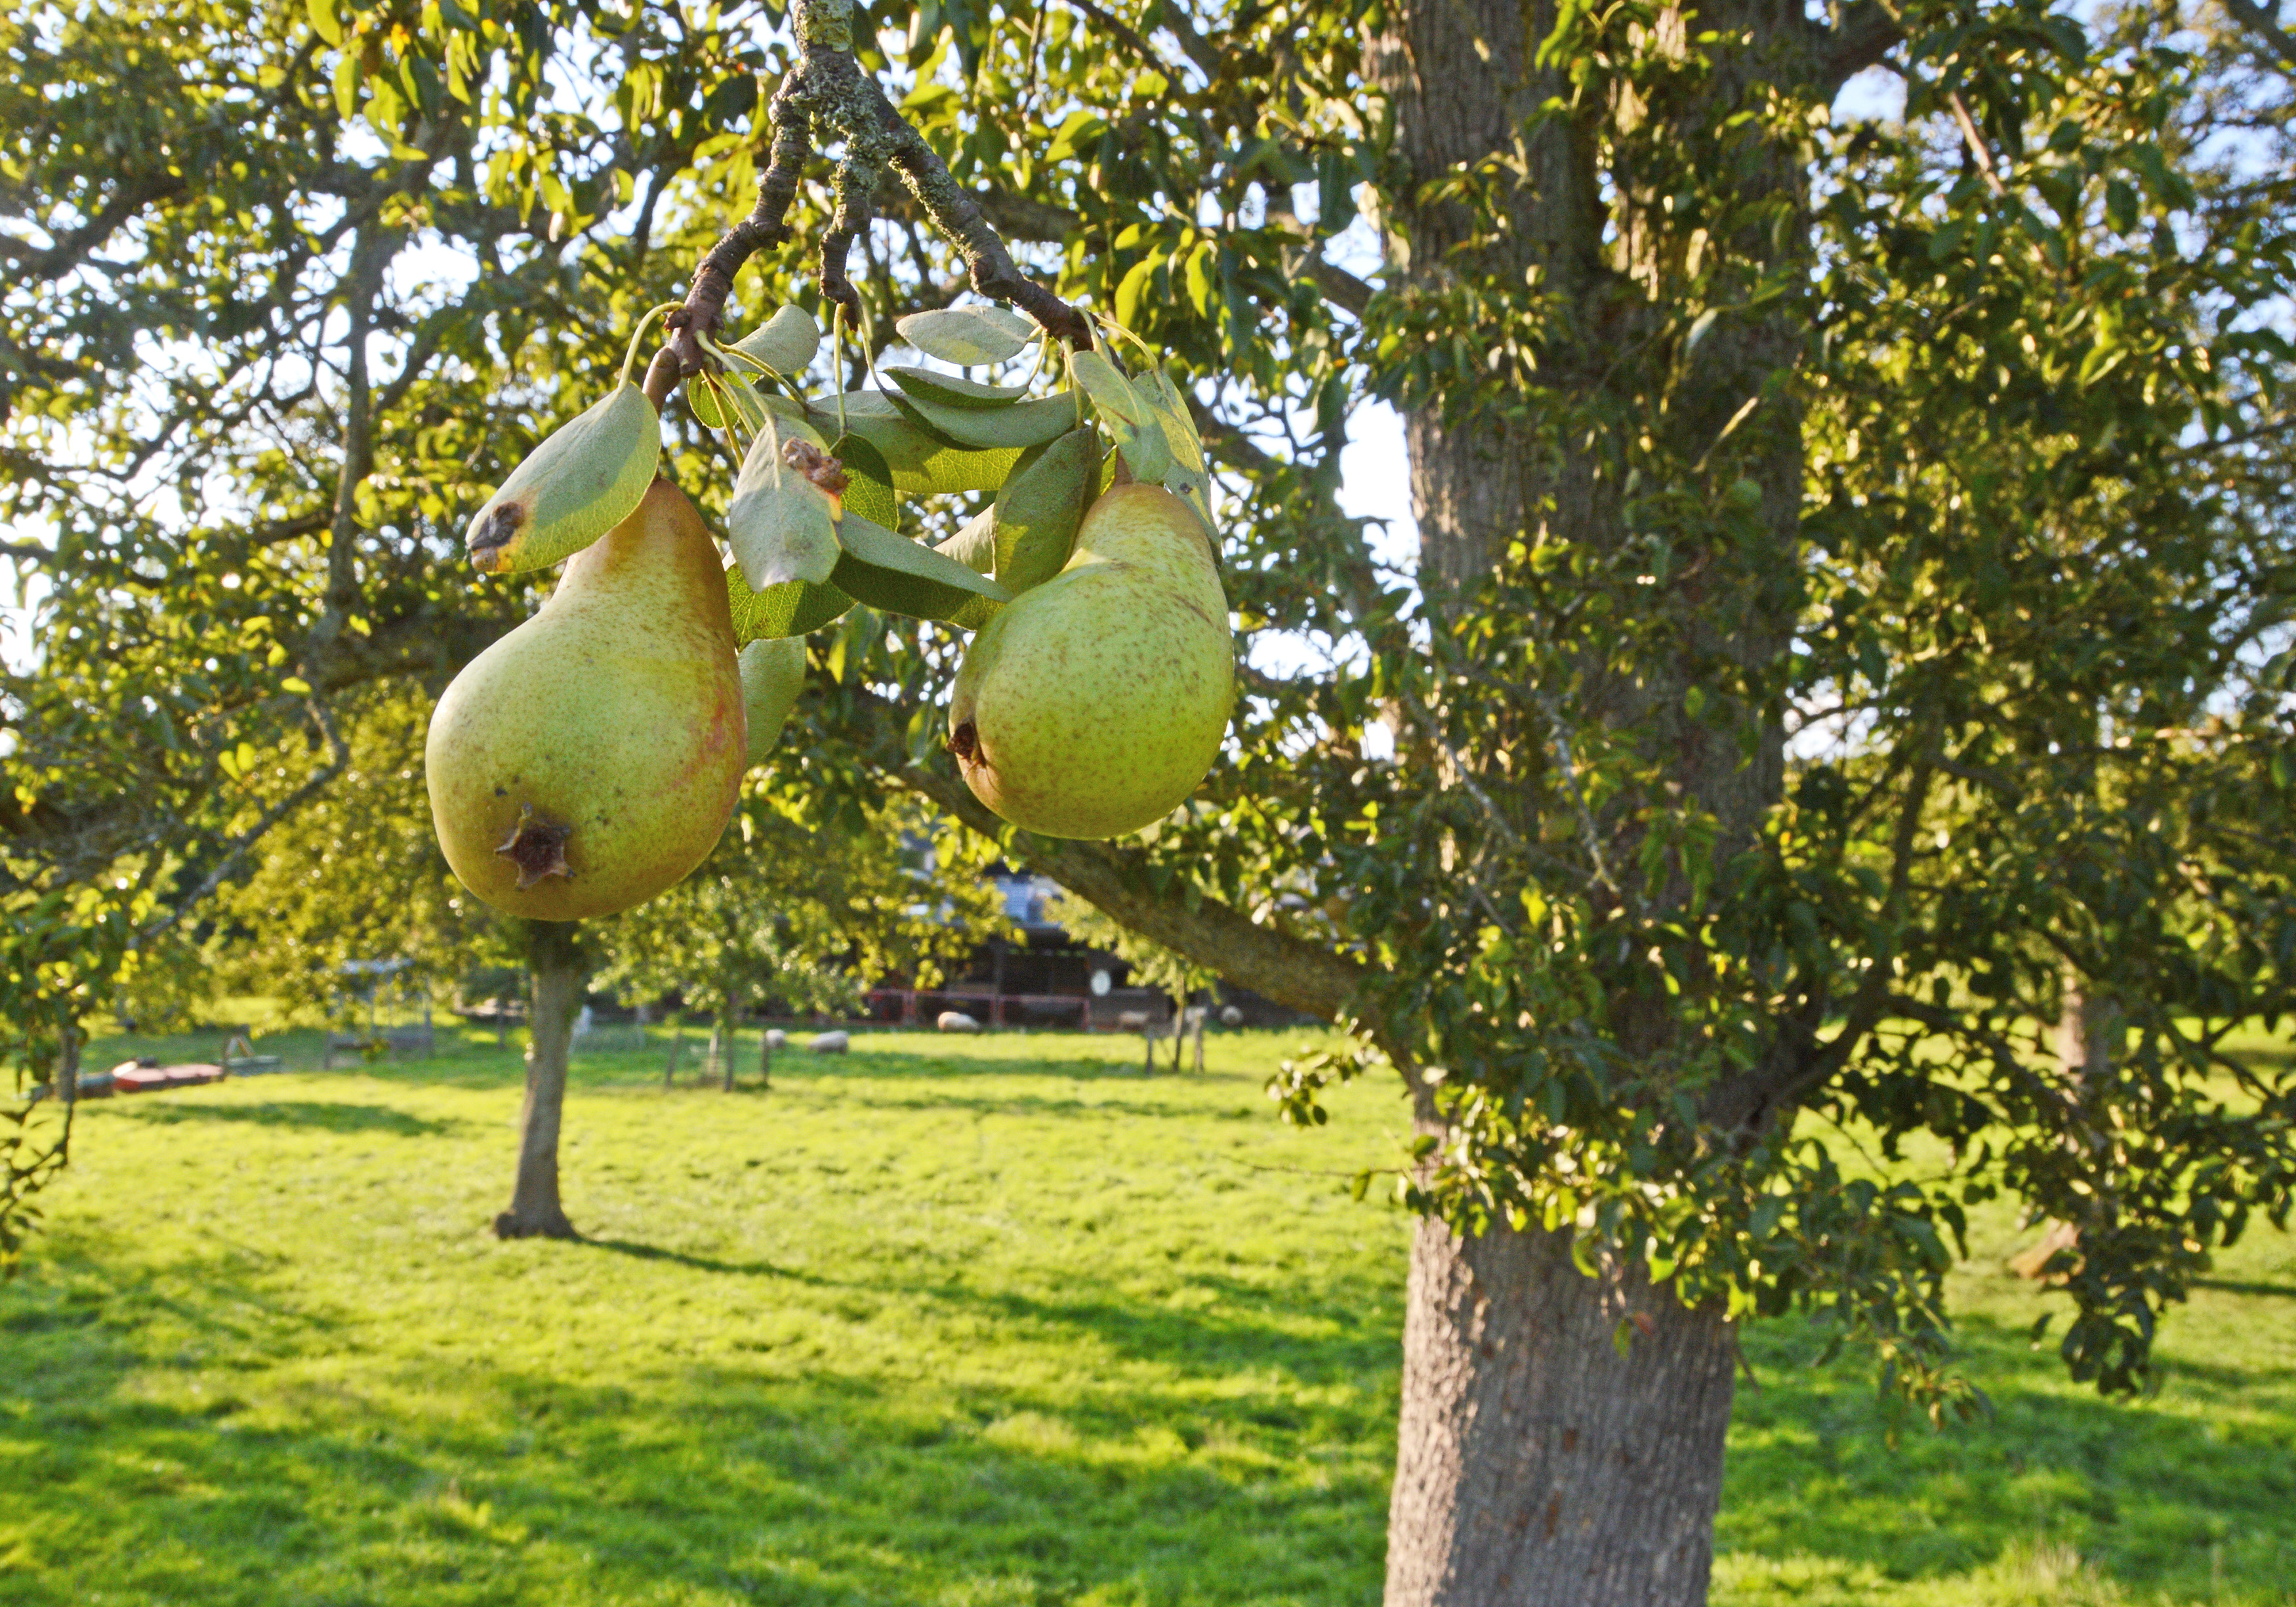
(764, 1057)
(67, 1066)
(676, 1042)
(1537, 1465)
(554, 962)
(729, 1026)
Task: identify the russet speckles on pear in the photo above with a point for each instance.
(1093, 705)
(590, 758)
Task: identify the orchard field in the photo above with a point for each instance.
(949, 1323)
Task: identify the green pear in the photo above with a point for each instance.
(1092, 704)
(590, 758)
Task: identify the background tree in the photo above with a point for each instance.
(1850, 597)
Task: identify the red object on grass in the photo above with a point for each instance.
(149, 1079)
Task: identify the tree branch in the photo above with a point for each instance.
(1292, 971)
(826, 94)
(1867, 32)
(2266, 28)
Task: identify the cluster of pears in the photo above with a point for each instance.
(592, 757)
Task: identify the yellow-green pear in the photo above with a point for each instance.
(572, 488)
(1092, 704)
(590, 758)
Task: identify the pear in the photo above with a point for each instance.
(590, 758)
(1092, 704)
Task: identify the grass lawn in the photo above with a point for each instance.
(957, 1322)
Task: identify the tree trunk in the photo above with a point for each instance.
(713, 1059)
(765, 1057)
(676, 1042)
(67, 1066)
(1536, 1464)
(554, 963)
(728, 1025)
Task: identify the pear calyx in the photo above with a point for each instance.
(538, 847)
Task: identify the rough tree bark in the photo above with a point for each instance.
(554, 960)
(1538, 1464)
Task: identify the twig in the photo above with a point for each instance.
(826, 94)
(1975, 140)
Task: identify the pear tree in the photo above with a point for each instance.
(1845, 635)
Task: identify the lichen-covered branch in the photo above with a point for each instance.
(827, 96)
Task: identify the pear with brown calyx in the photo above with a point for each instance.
(1093, 705)
(590, 758)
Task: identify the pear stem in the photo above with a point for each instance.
(826, 94)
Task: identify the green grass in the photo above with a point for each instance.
(958, 1322)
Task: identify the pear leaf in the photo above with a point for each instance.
(1190, 476)
(772, 674)
(783, 522)
(1040, 508)
(1027, 423)
(702, 402)
(952, 390)
(920, 464)
(1131, 421)
(901, 576)
(587, 477)
(792, 608)
(974, 545)
(868, 480)
(1112, 394)
(784, 342)
(966, 335)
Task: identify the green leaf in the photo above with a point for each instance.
(1190, 476)
(782, 526)
(784, 342)
(772, 674)
(1127, 415)
(920, 464)
(975, 545)
(587, 477)
(950, 390)
(900, 576)
(966, 335)
(1029, 423)
(1040, 508)
(868, 481)
(326, 23)
(791, 608)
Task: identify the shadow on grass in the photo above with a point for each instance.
(325, 1115)
(694, 1481)
(2284, 1291)
(2158, 1494)
(707, 1264)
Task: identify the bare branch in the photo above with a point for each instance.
(1863, 37)
(2265, 26)
(826, 94)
